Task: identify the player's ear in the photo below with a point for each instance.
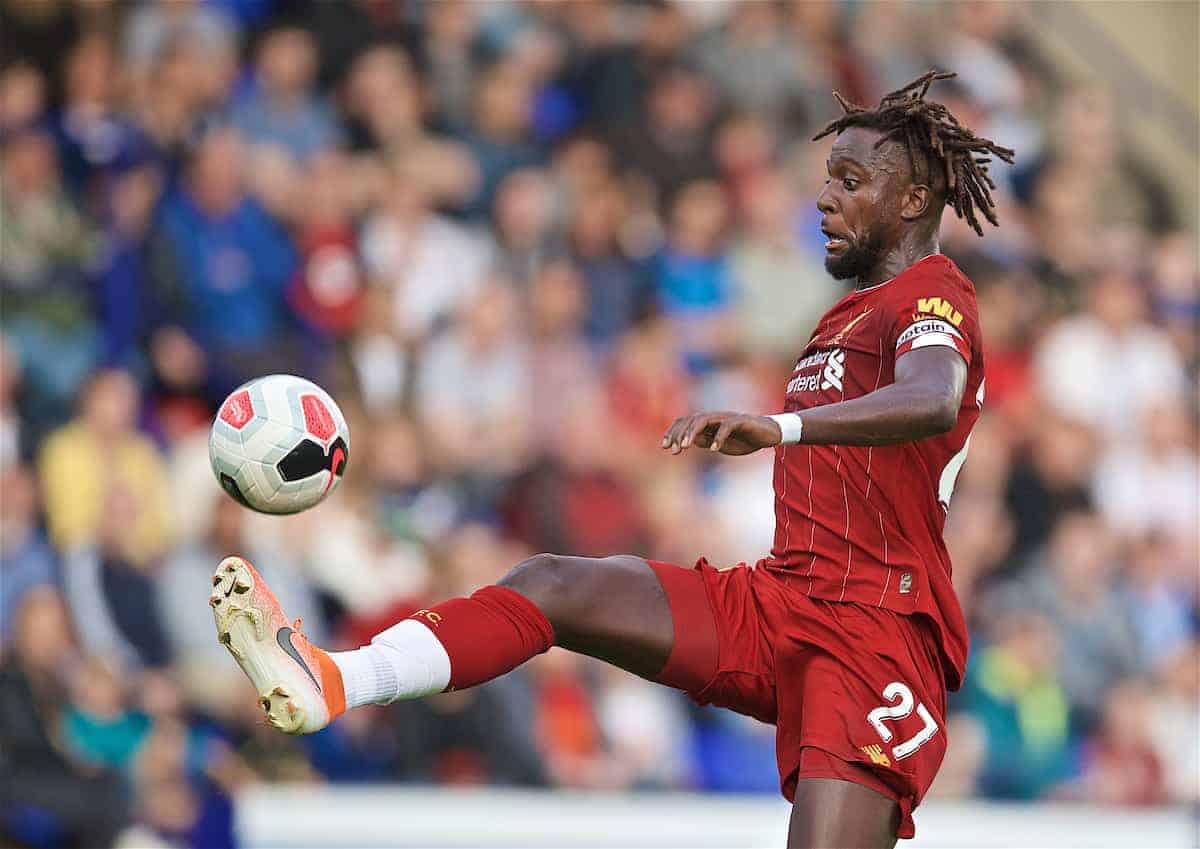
(916, 202)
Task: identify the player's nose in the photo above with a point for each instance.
(825, 201)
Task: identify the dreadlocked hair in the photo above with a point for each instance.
(939, 147)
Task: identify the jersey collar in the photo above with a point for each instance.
(890, 279)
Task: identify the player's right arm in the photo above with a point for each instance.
(923, 401)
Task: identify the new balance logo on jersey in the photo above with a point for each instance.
(875, 753)
(835, 370)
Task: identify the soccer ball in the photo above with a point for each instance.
(279, 444)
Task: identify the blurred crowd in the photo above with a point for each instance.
(515, 240)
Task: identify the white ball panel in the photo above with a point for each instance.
(250, 454)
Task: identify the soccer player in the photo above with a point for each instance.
(848, 636)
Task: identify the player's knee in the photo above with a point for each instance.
(558, 585)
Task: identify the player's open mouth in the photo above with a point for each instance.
(834, 243)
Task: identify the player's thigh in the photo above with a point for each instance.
(611, 608)
(830, 812)
(865, 704)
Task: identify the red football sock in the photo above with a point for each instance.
(488, 634)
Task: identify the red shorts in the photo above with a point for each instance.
(855, 692)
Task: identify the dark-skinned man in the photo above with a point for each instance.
(849, 635)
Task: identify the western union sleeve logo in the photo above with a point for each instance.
(939, 307)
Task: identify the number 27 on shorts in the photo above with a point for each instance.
(901, 700)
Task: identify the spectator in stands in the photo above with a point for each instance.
(222, 263)
(1155, 592)
(475, 378)
(282, 110)
(92, 134)
(428, 264)
(130, 191)
(1012, 690)
(667, 144)
(525, 215)
(26, 560)
(1118, 188)
(695, 285)
(182, 61)
(329, 286)
(572, 497)
(22, 95)
(1173, 723)
(99, 726)
(770, 267)
(383, 105)
(753, 62)
(618, 288)
(1073, 584)
(45, 796)
(1176, 294)
(450, 30)
(108, 582)
(560, 361)
(1151, 481)
(1114, 339)
(1120, 764)
(153, 26)
(1051, 480)
(499, 136)
(49, 252)
(100, 451)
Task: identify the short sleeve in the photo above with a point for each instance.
(937, 311)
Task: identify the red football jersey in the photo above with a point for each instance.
(864, 524)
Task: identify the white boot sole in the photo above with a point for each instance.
(286, 693)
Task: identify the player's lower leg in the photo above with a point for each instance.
(613, 608)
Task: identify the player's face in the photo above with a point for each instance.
(856, 203)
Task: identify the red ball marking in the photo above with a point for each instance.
(317, 418)
(237, 410)
(336, 462)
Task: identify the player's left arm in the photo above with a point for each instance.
(923, 401)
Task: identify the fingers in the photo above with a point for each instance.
(697, 426)
(674, 433)
(723, 433)
(684, 430)
(704, 430)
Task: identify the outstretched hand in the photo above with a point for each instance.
(726, 432)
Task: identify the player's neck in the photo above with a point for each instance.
(907, 253)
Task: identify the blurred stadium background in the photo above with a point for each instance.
(515, 240)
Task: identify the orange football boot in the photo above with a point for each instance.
(298, 684)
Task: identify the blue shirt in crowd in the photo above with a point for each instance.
(234, 270)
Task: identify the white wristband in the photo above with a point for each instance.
(791, 425)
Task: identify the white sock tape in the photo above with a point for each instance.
(405, 661)
(791, 426)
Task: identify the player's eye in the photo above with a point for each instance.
(849, 184)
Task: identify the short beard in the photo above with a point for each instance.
(858, 259)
